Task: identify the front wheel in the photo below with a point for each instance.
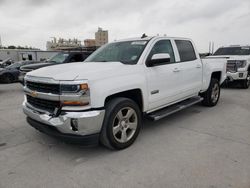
(122, 123)
(246, 82)
(8, 78)
(212, 95)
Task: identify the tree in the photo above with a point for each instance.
(11, 47)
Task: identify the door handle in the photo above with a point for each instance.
(176, 70)
(198, 66)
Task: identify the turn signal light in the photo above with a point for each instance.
(84, 87)
(74, 103)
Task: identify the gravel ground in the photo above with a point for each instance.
(195, 148)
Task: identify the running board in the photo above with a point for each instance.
(159, 114)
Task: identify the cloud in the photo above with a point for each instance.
(30, 22)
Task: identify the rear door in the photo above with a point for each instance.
(191, 68)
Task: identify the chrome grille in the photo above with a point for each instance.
(43, 87)
(42, 103)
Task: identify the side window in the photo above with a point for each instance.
(84, 56)
(26, 63)
(30, 57)
(186, 50)
(163, 46)
(76, 58)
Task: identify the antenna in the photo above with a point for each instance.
(144, 36)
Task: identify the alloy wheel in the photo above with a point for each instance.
(215, 93)
(248, 79)
(125, 124)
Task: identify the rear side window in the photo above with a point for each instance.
(186, 50)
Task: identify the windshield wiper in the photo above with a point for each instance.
(52, 62)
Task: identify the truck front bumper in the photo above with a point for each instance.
(77, 127)
(21, 78)
(236, 76)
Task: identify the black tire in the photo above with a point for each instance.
(113, 107)
(209, 98)
(8, 78)
(246, 82)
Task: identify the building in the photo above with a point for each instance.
(59, 44)
(20, 55)
(101, 37)
(89, 43)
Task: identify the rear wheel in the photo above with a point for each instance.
(122, 123)
(8, 78)
(246, 82)
(212, 95)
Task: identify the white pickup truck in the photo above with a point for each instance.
(238, 63)
(103, 99)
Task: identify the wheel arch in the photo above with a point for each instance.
(9, 75)
(216, 75)
(133, 94)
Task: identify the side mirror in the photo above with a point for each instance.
(158, 59)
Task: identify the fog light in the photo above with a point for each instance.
(74, 124)
(241, 75)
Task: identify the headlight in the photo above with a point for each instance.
(74, 95)
(241, 63)
(74, 88)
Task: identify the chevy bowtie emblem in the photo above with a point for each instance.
(33, 94)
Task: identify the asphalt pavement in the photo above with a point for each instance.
(195, 148)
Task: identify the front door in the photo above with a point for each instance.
(163, 80)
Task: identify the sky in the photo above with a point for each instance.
(33, 22)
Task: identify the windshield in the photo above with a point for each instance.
(233, 51)
(59, 58)
(14, 65)
(127, 52)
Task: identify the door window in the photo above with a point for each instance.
(163, 46)
(186, 50)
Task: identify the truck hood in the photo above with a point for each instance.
(36, 66)
(83, 70)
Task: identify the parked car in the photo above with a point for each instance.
(60, 58)
(104, 98)
(6, 62)
(238, 63)
(10, 73)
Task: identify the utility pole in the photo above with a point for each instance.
(0, 42)
(209, 48)
(213, 48)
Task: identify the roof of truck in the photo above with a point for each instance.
(232, 46)
(149, 38)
